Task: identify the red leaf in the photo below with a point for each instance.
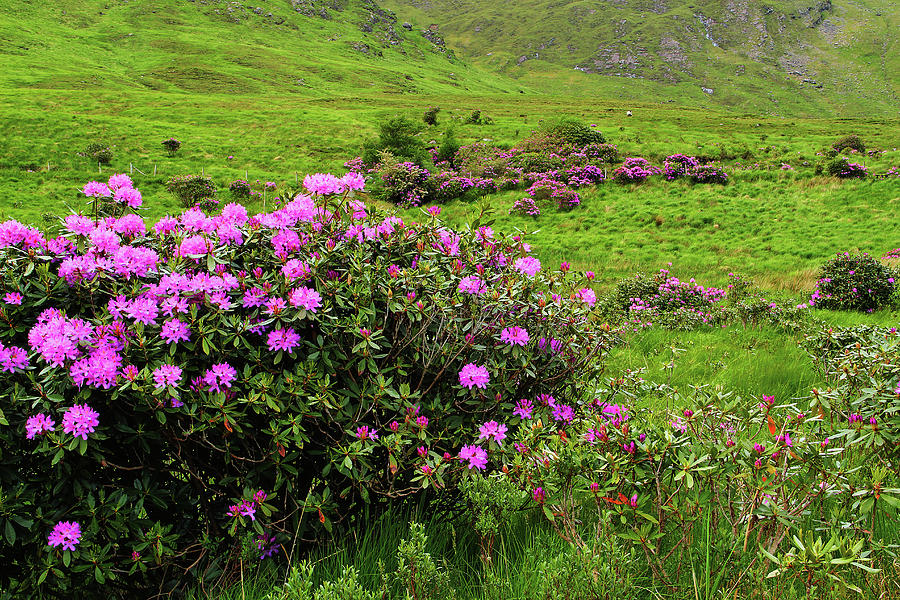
(772, 428)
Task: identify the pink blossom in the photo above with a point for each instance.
(473, 375)
(476, 456)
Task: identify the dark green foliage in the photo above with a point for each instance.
(240, 188)
(98, 152)
(430, 115)
(573, 131)
(849, 142)
(399, 136)
(448, 148)
(854, 282)
(171, 146)
(843, 168)
(191, 189)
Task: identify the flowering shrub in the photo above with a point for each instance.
(565, 199)
(634, 170)
(204, 377)
(525, 206)
(607, 153)
(240, 189)
(171, 146)
(854, 282)
(849, 142)
(542, 190)
(708, 174)
(405, 183)
(678, 165)
(192, 189)
(844, 169)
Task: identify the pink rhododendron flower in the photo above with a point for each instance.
(492, 430)
(473, 375)
(66, 534)
(514, 336)
(476, 456)
(220, 377)
(528, 265)
(80, 420)
(37, 425)
(166, 375)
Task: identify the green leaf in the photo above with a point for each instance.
(548, 513)
(10, 533)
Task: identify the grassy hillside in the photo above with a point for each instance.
(788, 57)
(300, 48)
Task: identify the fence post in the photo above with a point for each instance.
(99, 167)
(154, 169)
(131, 168)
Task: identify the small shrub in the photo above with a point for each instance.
(399, 136)
(240, 188)
(573, 131)
(171, 145)
(476, 118)
(448, 148)
(417, 573)
(525, 207)
(849, 142)
(565, 199)
(98, 152)
(405, 183)
(678, 165)
(430, 115)
(634, 170)
(607, 153)
(844, 169)
(543, 189)
(709, 174)
(191, 190)
(853, 282)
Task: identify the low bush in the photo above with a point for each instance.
(192, 190)
(525, 206)
(572, 131)
(98, 152)
(841, 167)
(399, 136)
(171, 146)
(634, 170)
(405, 183)
(849, 142)
(430, 115)
(678, 165)
(240, 189)
(709, 174)
(854, 282)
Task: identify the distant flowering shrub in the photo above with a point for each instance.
(565, 199)
(184, 383)
(192, 190)
(239, 189)
(708, 174)
(844, 169)
(854, 282)
(678, 165)
(542, 190)
(405, 183)
(171, 146)
(98, 152)
(525, 206)
(634, 170)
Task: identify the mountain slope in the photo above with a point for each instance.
(809, 57)
(217, 46)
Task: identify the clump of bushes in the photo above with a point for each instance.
(572, 131)
(399, 136)
(171, 146)
(476, 118)
(841, 167)
(565, 199)
(678, 165)
(854, 282)
(98, 152)
(709, 174)
(849, 142)
(405, 183)
(240, 189)
(634, 170)
(430, 115)
(192, 190)
(525, 206)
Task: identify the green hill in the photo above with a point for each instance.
(300, 47)
(787, 57)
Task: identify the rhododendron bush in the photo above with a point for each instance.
(173, 386)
